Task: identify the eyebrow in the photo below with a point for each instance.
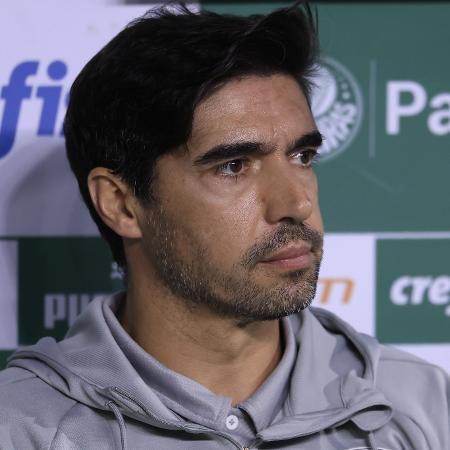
(226, 151)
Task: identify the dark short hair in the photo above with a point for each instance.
(134, 100)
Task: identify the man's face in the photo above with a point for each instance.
(236, 226)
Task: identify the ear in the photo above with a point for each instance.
(114, 202)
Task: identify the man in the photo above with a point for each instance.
(192, 140)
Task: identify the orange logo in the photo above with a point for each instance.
(331, 287)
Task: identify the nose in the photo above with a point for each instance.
(287, 196)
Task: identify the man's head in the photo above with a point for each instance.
(191, 137)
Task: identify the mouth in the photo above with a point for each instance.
(292, 257)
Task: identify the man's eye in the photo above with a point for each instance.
(231, 168)
(306, 157)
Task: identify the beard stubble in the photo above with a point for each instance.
(233, 294)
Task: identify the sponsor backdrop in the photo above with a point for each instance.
(382, 101)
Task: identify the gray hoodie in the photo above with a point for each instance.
(346, 392)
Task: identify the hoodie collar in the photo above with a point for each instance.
(268, 400)
(332, 380)
(193, 401)
(181, 395)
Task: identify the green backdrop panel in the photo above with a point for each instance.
(413, 291)
(394, 174)
(58, 277)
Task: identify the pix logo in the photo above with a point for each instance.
(18, 89)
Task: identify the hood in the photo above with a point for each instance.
(90, 367)
(334, 380)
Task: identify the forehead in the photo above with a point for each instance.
(270, 109)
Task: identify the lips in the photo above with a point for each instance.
(296, 257)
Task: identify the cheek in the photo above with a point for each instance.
(227, 230)
(222, 225)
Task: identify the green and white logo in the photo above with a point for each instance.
(413, 291)
(337, 107)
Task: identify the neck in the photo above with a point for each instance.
(228, 359)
